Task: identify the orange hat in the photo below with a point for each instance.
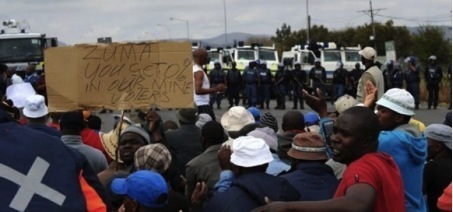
(444, 201)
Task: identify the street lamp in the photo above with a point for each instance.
(187, 25)
(169, 31)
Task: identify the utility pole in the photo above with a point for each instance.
(308, 22)
(371, 12)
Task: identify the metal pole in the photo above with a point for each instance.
(308, 22)
(225, 17)
(372, 25)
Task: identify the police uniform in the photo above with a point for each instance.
(217, 76)
(298, 77)
(433, 77)
(265, 78)
(234, 82)
(281, 83)
(250, 78)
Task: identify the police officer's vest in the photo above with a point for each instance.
(250, 76)
(217, 76)
(264, 76)
(233, 76)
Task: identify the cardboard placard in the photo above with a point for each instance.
(120, 76)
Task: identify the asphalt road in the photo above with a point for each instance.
(423, 114)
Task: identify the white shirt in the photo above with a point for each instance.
(204, 98)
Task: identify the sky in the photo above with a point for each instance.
(83, 21)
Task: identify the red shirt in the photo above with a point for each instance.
(381, 172)
(91, 138)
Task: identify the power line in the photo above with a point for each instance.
(443, 18)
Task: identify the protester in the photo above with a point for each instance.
(205, 167)
(256, 113)
(156, 157)
(12, 77)
(59, 178)
(203, 119)
(372, 181)
(249, 161)
(444, 201)
(170, 125)
(372, 73)
(36, 112)
(311, 122)
(72, 124)
(293, 123)
(201, 83)
(234, 120)
(437, 172)
(144, 191)
(31, 76)
(402, 141)
(276, 166)
(310, 176)
(269, 120)
(184, 143)
(54, 120)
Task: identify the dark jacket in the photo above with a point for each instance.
(313, 180)
(52, 168)
(248, 191)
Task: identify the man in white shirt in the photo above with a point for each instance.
(202, 87)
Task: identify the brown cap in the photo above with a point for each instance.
(308, 146)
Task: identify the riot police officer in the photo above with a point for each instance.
(233, 81)
(318, 76)
(250, 77)
(433, 77)
(216, 76)
(281, 82)
(265, 78)
(298, 78)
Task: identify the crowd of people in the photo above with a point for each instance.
(369, 155)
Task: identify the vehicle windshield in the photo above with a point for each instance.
(21, 50)
(213, 56)
(352, 56)
(267, 55)
(246, 55)
(332, 56)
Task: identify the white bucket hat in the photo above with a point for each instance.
(249, 151)
(236, 118)
(35, 107)
(398, 100)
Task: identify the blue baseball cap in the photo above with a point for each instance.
(255, 113)
(311, 118)
(146, 187)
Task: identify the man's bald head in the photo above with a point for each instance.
(200, 56)
(363, 121)
(293, 120)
